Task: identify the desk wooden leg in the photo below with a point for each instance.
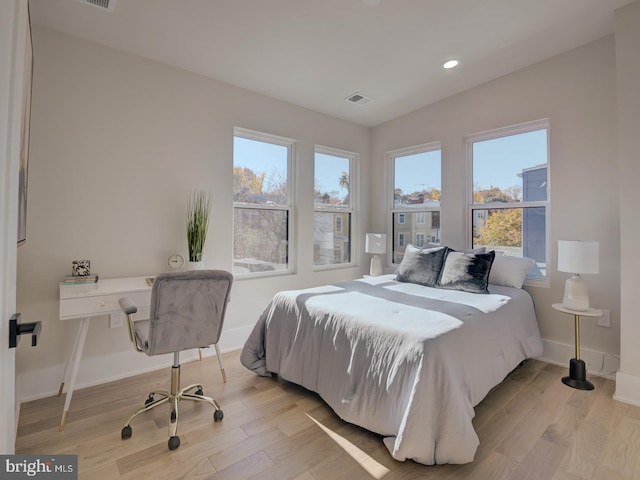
(70, 362)
(74, 364)
(224, 375)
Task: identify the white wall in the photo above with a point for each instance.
(577, 92)
(117, 142)
(627, 28)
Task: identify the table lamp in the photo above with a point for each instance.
(376, 243)
(577, 257)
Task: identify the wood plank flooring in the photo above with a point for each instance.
(530, 427)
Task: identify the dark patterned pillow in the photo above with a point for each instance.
(466, 271)
(421, 266)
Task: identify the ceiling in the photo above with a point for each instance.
(315, 53)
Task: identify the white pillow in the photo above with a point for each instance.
(509, 271)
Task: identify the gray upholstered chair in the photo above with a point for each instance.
(187, 312)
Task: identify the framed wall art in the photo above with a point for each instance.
(24, 137)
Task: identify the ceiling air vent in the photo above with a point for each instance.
(107, 5)
(359, 99)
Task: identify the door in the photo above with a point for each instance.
(13, 31)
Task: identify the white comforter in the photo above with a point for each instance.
(402, 360)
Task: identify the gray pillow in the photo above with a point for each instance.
(466, 271)
(421, 266)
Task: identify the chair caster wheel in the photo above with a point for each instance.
(199, 392)
(126, 432)
(149, 400)
(174, 442)
(218, 415)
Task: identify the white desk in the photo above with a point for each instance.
(93, 300)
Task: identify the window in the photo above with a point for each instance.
(510, 193)
(333, 206)
(415, 204)
(262, 202)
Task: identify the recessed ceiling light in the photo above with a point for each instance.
(371, 3)
(450, 64)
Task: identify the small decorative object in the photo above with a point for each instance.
(376, 243)
(81, 268)
(175, 261)
(577, 257)
(198, 213)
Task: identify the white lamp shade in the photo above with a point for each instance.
(578, 256)
(376, 243)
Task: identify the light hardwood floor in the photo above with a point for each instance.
(530, 427)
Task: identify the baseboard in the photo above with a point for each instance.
(42, 383)
(601, 364)
(627, 389)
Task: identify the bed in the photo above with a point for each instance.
(401, 359)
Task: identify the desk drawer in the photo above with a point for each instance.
(99, 304)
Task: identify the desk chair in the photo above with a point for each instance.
(187, 311)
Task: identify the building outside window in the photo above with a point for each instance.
(262, 203)
(415, 203)
(334, 187)
(510, 193)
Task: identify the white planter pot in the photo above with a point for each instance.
(195, 266)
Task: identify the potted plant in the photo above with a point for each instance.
(198, 213)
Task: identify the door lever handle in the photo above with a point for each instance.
(16, 329)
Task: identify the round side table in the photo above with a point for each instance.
(577, 369)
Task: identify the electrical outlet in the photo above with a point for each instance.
(116, 320)
(604, 320)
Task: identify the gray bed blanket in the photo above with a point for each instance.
(402, 360)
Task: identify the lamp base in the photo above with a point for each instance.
(576, 296)
(376, 266)
(577, 375)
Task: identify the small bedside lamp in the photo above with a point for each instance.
(376, 243)
(577, 257)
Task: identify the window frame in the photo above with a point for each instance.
(289, 208)
(526, 127)
(398, 210)
(350, 209)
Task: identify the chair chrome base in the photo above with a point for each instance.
(172, 397)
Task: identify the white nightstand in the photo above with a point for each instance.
(577, 369)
